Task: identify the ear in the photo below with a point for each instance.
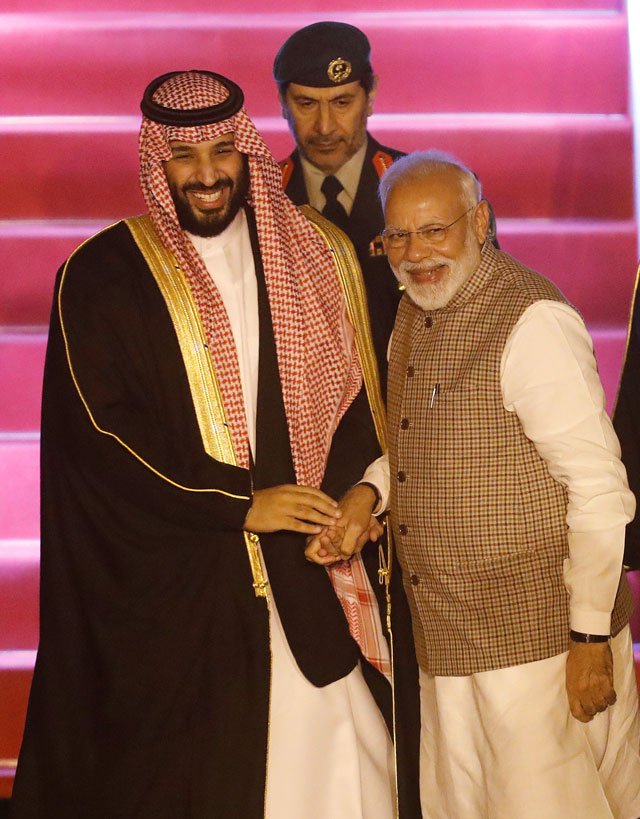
(481, 221)
(371, 97)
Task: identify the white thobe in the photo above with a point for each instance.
(329, 754)
(503, 743)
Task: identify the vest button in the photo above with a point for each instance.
(428, 322)
(410, 372)
(402, 477)
(414, 579)
(404, 424)
(403, 529)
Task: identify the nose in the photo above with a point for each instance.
(207, 172)
(325, 122)
(416, 249)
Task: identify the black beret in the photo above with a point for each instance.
(323, 55)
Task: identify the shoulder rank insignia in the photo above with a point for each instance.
(381, 161)
(287, 165)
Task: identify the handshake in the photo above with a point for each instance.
(336, 531)
(350, 532)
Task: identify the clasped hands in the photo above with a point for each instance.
(348, 536)
(336, 530)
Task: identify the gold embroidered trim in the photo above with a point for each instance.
(205, 389)
(356, 300)
(201, 374)
(94, 423)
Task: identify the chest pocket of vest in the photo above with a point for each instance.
(458, 397)
(469, 423)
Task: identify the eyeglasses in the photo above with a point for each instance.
(429, 235)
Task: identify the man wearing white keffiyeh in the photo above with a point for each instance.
(204, 403)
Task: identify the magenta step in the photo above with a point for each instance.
(21, 366)
(16, 671)
(19, 585)
(460, 60)
(582, 257)
(15, 683)
(579, 255)
(310, 7)
(26, 289)
(567, 179)
(20, 487)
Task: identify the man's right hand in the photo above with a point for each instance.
(356, 527)
(292, 508)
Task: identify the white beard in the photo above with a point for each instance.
(434, 296)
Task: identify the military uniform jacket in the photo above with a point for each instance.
(365, 224)
(150, 696)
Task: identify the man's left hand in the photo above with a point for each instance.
(589, 679)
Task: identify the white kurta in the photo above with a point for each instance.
(503, 744)
(329, 755)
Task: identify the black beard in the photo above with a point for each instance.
(214, 223)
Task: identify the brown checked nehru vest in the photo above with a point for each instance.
(479, 522)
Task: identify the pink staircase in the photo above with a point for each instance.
(532, 94)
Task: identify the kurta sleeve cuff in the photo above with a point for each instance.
(377, 473)
(592, 575)
(590, 622)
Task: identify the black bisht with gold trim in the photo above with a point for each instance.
(150, 696)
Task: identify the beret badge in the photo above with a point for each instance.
(338, 70)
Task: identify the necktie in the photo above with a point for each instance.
(333, 210)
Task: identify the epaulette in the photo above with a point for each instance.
(286, 166)
(381, 161)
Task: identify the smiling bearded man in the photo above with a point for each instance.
(508, 507)
(207, 209)
(206, 397)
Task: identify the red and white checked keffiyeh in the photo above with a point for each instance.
(320, 375)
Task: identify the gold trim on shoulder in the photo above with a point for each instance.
(354, 292)
(203, 381)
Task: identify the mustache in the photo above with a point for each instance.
(314, 140)
(198, 187)
(420, 267)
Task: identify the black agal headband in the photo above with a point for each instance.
(191, 117)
